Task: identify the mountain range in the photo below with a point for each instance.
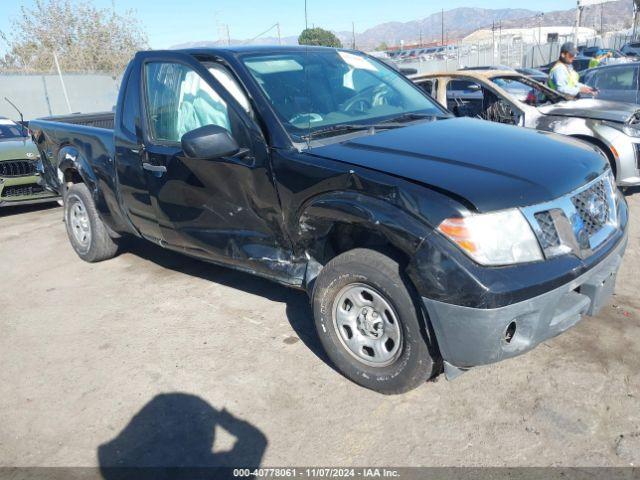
(460, 22)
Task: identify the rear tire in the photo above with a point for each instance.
(370, 323)
(87, 233)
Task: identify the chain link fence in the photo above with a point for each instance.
(510, 52)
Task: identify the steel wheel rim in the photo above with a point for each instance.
(367, 325)
(79, 222)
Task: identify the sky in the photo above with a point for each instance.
(171, 22)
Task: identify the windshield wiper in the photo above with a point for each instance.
(341, 129)
(409, 117)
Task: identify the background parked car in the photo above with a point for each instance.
(613, 128)
(20, 167)
(579, 64)
(534, 73)
(614, 82)
(631, 49)
(588, 51)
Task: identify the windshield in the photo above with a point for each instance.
(312, 91)
(10, 130)
(528, 91)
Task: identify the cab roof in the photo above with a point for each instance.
(258, 49)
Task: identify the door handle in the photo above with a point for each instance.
(154, 168)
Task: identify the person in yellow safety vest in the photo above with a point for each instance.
(598, 58)
(563, 78)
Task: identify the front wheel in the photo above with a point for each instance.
(370, 323)
(89, 237)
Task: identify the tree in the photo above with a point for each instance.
(382, 47)
(319, 36)
(85, 38)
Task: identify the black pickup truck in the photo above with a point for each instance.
(425, 242)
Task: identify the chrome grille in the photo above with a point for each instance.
(578, 222)
(21, 190)
(592, 207)
(17, 168)
(548, 234)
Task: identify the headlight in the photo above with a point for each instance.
(631, 130)
(499, 238)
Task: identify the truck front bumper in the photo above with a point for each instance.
(469, 337)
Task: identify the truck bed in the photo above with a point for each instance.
(104, 120)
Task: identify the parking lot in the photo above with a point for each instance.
(139, 359)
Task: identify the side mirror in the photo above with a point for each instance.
(474, 87)
(208, 142)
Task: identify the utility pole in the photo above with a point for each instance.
(500, 42)
(540, 28)
(493, 41)
(636, 7)
(306, 22)
(420, 37)
(279, 37)
(353, 36)
(579, 9)
(228, 35)
(442, 33)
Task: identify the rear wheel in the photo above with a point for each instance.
(370, 323)
(89, 237)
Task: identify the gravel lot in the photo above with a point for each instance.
(153, 357)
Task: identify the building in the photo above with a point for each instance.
(530, 35)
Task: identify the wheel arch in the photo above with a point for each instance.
(75, 168)
(333, 223)
(613, 160)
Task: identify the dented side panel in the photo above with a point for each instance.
(319, 194)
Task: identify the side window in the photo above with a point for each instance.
(428, 86)
(619, 78)
(588, 78)
(464, 90)
(179, 101)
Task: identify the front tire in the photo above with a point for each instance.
(370, 323)
(88, 235)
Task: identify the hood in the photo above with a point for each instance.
(491, 166)
(18, 149)
(592, 108)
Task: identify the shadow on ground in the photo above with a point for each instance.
(631, 191)
(174, 436)
(8, 210)
(298, 308)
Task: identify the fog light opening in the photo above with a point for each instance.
(510, 332)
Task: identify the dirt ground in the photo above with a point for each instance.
(153, 357)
